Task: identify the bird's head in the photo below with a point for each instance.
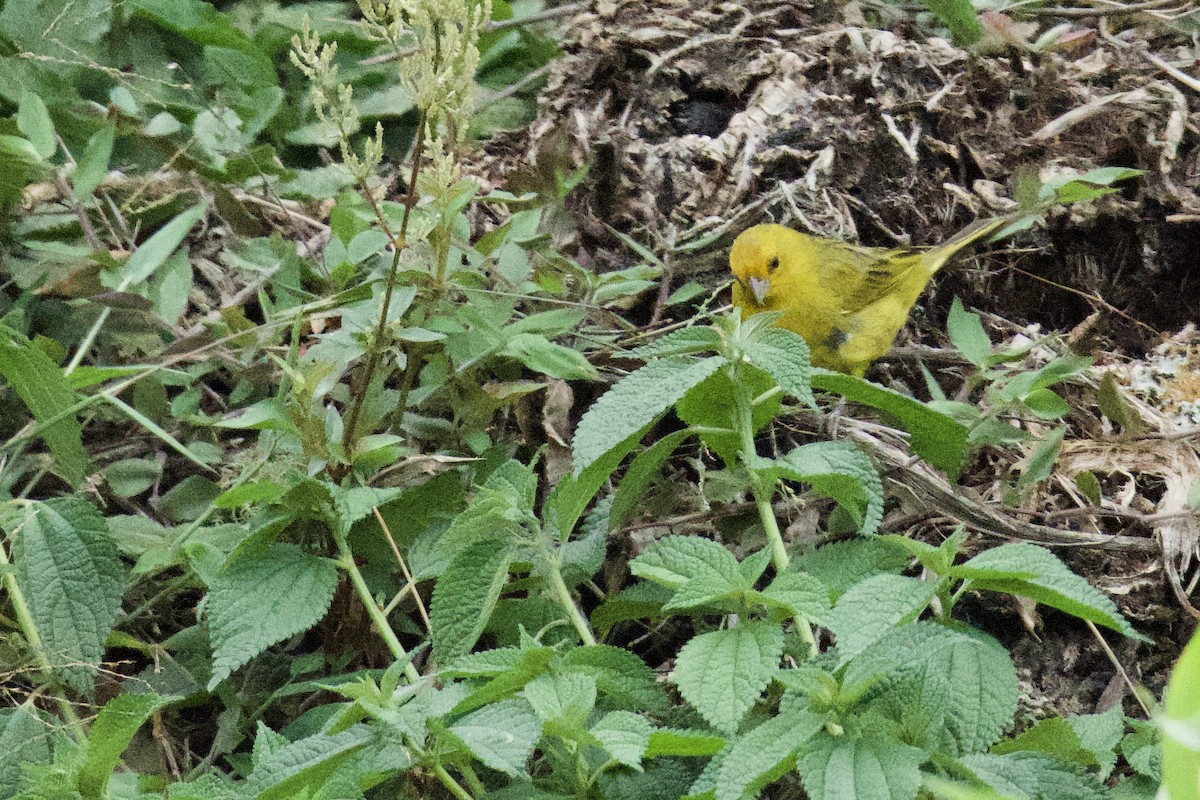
(754, 258)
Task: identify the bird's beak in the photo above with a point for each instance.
(759, 288)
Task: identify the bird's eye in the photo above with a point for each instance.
(773, 264)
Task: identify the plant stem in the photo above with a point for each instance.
(29, 628)
(563, 595)
(376, 613)
(399, 242)
(762, 493)
(452, 785)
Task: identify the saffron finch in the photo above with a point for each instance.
(848, 302)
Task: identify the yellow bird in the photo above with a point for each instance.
(847, 302)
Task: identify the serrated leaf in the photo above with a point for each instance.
(852, 767)
(110, 734)
(697, 339)
(1052, 737)
(625, 735)
(72, 578)
(801, 594)
(710, 410)
(622, 679)
(40, 384)
(834, 469)
(723, 673)
(541, 355)
(566, 698)
(497, 511)
(871, 609)
(642, 470)
(785, 355)
(294, 769)
(501, 735)
(840, 565)
(583, 554)
(465, 596)
(25, 740)
(1032, 571)
(633, 403)
(1033, 776)
(936, 437)
(764, 754)
(675, 561)
(262, 598)
(970, 676)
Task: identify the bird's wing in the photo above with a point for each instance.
(865, 275)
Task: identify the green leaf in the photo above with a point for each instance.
(1181, 726)
(785, 355)
(72, 578)
(40, 384)
(1046, 404)
(566, 699)
(295, 769)
(959, 16)
(764, 754)
(840, 565)
(1033, 776)
(155, 251)
(1039, 466)
(675, 560)
(871, 609)
(723, 673)
(968, 336)
(501, 735)
(710, 409)
(25, 740)
(633, 403)
(572, 493)
(846, 767)
(622, 678)
(93, 163)
(936, 437)
(801, 594)
(642, 470)
(696, 339)
(110, 734)
(1100, 735)
(1031, 571)
(834, 469)
(1086, 740)
(132, 476)
(262, 598)
(33, 120)
(625, 735)
(966, 676)
(541, 355)
(466, 595)
(497, 512)
(676, 742)
(1113, 405)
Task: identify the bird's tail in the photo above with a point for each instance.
(938, 256)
